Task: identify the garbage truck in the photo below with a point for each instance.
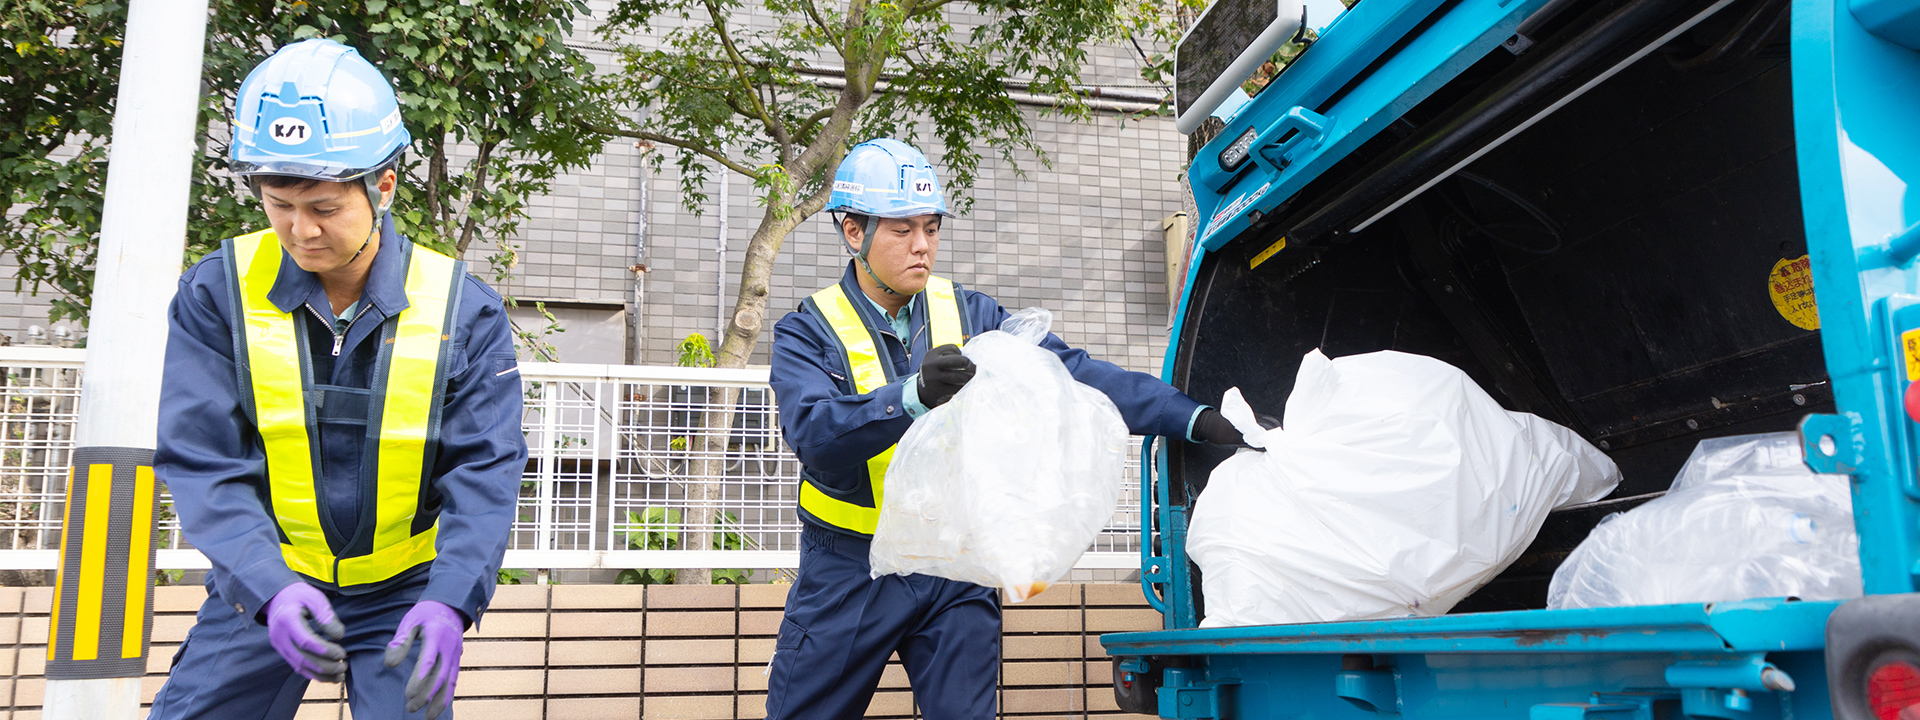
(1651, 221)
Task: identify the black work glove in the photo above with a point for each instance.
(1212, 428)
(942, 374)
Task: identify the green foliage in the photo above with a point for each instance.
(780, 99)
(746, 96)
(695, 352)
(660, 529)
(1161, 23)
(492, 77)
(510, 576)
(533, 343)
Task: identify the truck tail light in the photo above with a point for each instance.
(1893, 691)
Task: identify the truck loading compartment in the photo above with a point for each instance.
(1631, 266)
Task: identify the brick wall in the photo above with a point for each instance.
(588, 652)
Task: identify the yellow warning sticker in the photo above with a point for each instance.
(1277, 246)
(1791, 285)
(1910, 342)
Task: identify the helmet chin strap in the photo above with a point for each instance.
(866, 243)
(375, 198)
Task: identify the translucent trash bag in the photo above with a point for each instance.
(1010, 481)
(1745, 519)
(1396, 487)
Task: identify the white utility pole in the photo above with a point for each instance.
(97, 645)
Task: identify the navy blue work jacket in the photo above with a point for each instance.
(834, 431)
(210, 455)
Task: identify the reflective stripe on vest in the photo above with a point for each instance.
(867, 365)
(409, 387)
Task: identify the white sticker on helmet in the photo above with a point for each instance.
(391, 121)
(848, 187)
(289, 131)
(923, 186)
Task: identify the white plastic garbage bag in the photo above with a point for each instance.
(1745, 519)
(1009, 482)
(1397, 487)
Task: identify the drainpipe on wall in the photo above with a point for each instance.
(634, 351)
(720, 275)
(636, 302)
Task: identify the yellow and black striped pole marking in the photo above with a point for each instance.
(103, 605)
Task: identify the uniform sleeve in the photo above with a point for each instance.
(482, 455)
(828, 428)
(205, 451)
(1148, 404)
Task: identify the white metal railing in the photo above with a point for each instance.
(618, 474)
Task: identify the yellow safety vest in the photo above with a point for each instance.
(870, 368)
(285, 405)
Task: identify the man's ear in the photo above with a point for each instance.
(389, 185)
(852, 233)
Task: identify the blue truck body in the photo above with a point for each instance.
(1399, 101)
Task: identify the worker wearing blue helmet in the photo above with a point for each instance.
(852, 367)
(340, 420)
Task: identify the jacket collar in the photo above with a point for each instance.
(869, 310)
(870, 313)
(386, 281)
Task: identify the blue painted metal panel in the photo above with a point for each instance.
(1750, 626)
(1897, 21)
(1463, 35)
(1483, 686)
(1856, 97)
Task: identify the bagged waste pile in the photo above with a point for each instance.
(1395, 487)
(1745, 519)
(1009, 482)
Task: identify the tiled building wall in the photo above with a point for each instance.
(1082, 238)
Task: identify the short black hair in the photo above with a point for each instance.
(284, 182)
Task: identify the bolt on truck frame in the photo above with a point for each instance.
(1609, 213)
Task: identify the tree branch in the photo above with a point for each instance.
(918, 9)
(479, 187)
(436, 176)
(688, 145)
(813, 14)
(812, 203)
(774, 126)
(814, 119)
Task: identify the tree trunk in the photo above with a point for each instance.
(749, 310)
(743, 332)
(705, 489)
(750, 302)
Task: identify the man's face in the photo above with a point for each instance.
(903, 250)
(322, 225)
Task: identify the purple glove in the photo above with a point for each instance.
(290, 618)
(438, 628)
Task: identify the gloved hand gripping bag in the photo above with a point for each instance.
(1396, 487)
(1745, 519)
(1008, 483)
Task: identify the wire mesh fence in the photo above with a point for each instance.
(38, 412)
(622, 467)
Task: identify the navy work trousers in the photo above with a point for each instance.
(227, 671)
(841, 625)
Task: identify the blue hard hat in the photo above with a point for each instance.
(318, 110)
(886, 178)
